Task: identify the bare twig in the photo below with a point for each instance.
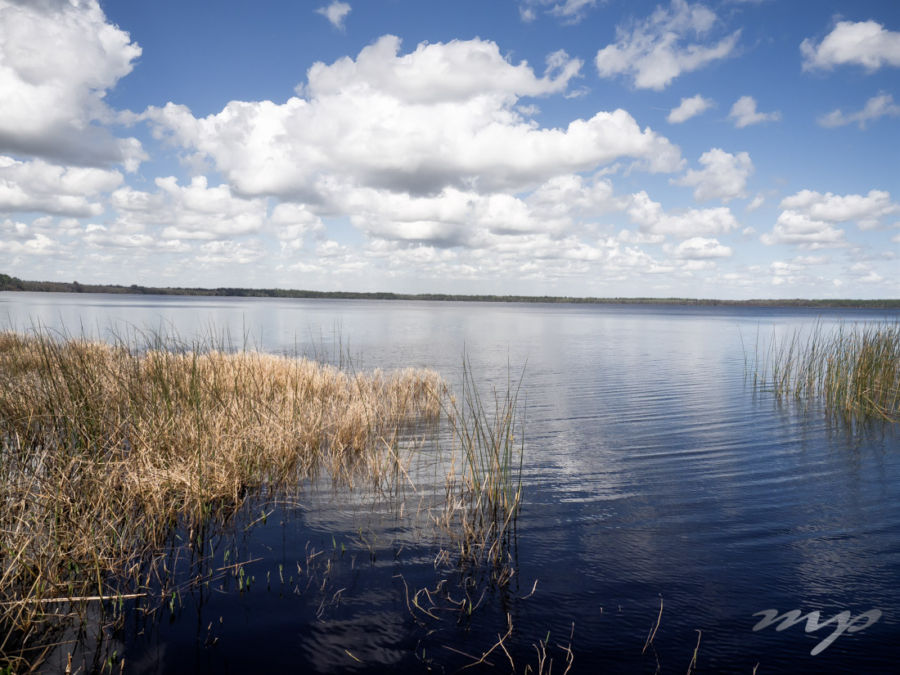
(653, 630)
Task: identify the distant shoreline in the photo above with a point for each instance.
(9, 283)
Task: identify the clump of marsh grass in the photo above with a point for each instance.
(476, 512)
(484, 497)
(855, 370)
(111, 452)
(106, 449)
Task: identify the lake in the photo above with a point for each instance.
(654, 475)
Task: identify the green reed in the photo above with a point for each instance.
(483, 518)
(855, 369)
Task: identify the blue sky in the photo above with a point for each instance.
(731, 149)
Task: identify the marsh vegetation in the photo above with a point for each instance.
(112, 456)
(853, 369)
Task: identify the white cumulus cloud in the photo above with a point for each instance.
(863, 43)
(723, 176)
(37, 185)
(57, 62)
(567, 11)
(116, 237)
(744, 113)
(666, 44)
(469, 219)
(651, 218)
(565, 197)
(292, 221)
(688, 108)
(756, 202)
(701, 248)
(876, 107)
(195, 211)
(866, 210)
(808, 218)
(455, 71)
(799, 229)
(336, 12)
(442, 116)
(226, 253)
(37, 245)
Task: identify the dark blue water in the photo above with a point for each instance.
(653, 472)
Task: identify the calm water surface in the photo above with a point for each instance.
(653, 473)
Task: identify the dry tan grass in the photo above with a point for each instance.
(103, 450)
(107, 451)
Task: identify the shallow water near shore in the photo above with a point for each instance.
(654, 473)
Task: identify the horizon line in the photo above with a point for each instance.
(10, 283)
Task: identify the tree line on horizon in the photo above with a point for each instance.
(11, 283)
